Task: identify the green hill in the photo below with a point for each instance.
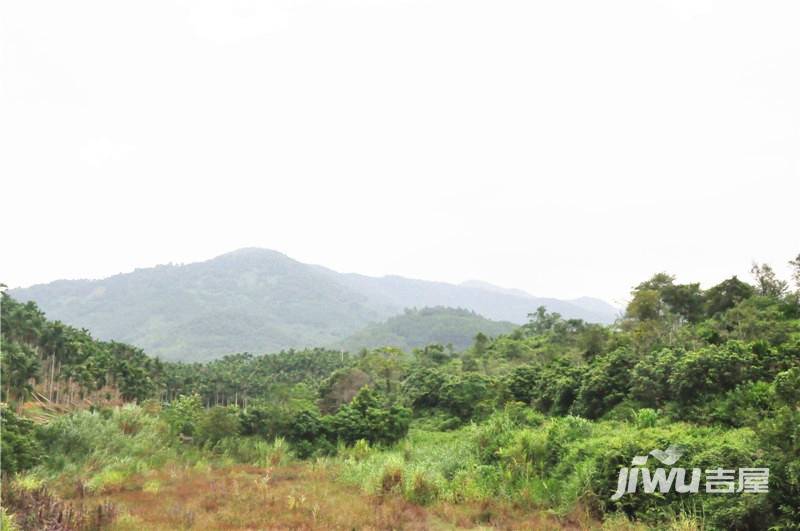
(417, 328)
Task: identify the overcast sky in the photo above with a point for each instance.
(567, 148)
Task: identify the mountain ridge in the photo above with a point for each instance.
(259, 300)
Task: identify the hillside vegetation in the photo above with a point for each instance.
(257, 300)
(416, 328)
(526, 430)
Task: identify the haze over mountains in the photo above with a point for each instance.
(415, 328)
(258, 300)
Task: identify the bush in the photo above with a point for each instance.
(558, 387)
(365, 418)
(787, 386)
(713, 370)
(463, 395)
(645, 418)
(421, 388)
(605, 384)
(522, 382)
(216, 424)
(183, 414)
(20, 448)
(7, 520)
(267, 421)
(744, 406)
(105, 481)
(612, 447)
(650, 377)
(309, 434)
(779, 434)
(497, 432)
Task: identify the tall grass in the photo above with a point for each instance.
(561, 464)
(100, 451)
(252, 450)
(426, 467)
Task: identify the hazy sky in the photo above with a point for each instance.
(566, 147)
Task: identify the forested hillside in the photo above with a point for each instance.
(416, 328)
(257, 300)
(530, 425)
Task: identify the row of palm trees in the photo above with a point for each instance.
(59, 364)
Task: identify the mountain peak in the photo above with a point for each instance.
(252, 252)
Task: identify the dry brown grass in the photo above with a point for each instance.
(294, 497)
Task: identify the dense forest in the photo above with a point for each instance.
(541, 418)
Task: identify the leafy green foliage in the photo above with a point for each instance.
(64, 364)
(466, 395)
(20, 448)
(713, 370)
(367, 418)
(217, 423)
(184, 414)
(605, 384)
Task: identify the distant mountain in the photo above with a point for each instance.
(259, 300)
(492, 302)
(495, 289)
(416, 328)
(597, 310)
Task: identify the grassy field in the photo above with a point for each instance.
(294, 496)
(123, 470)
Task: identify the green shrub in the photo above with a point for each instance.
(20, 448)
(493, 435)
(522, 383)
(611, 449)
(463, 395)
(309, 434)
(106, 480)
(745, 405)
(645, 418)
(713, 370)
(558, 387)
(650, 377)
(605, 384)
(183, 414)
(216, 424)
(787, 386)
(265, 420)
(366, 418)
(252, 450)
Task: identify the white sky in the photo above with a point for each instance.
(566, 148)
